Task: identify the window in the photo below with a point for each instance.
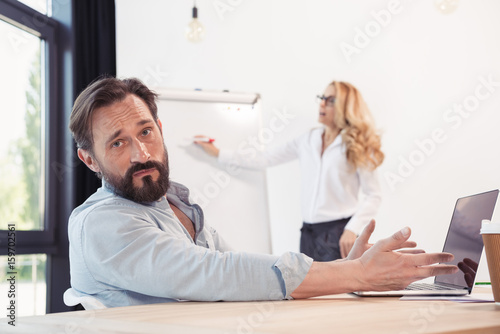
(40, 5)
(21, 127)
(27, 218)
(31, 287)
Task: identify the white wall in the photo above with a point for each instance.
(411, 72)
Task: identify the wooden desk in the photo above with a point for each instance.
(330, 314)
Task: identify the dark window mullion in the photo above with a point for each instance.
(28, 19)
(28, 240)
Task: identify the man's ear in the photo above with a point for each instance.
(87, 159)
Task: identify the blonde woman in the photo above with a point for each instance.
(338, 160)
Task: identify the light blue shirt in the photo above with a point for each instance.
(127, 253)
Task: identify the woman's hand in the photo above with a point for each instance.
(208, 147)
(346, 242)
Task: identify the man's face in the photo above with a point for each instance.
(129, 151)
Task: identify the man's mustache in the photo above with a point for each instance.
(141, 166)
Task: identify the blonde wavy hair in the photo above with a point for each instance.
(355, 121)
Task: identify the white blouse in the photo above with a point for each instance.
(330, 188)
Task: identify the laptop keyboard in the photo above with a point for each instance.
(427, 286)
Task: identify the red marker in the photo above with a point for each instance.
(204, 139)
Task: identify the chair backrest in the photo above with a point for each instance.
(72, 298)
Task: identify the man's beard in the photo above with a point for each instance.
(150, 190)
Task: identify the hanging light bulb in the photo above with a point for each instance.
(446, 6)
(195, 31)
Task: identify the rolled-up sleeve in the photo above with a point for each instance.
(293, 268)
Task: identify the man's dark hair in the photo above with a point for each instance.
(101, 93)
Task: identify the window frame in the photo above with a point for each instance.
(58, 167)
(45, 28)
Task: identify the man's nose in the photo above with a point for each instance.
(139, 152)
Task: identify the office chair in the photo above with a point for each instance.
(71, 298)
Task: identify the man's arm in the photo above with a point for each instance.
(379, 267)
(123, 249)
(131, 253)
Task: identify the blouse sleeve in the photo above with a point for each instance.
(251, 158)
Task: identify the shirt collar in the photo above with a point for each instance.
(336, 142)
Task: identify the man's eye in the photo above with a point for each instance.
(116, 144)
(146, 132)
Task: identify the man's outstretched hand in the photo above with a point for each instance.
(390, 264)
(362, 245)
(387, 267)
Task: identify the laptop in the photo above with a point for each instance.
(463, 241)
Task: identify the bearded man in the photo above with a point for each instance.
(139, 239)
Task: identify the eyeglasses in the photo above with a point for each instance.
(329, 100)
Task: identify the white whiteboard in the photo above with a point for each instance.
(235, 205)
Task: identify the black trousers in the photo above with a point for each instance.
(321, 241)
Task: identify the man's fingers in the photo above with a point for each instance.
(438, 269)
(465, 268)
(411, 251)
(471, 263)
(409, 244)
(395, 241)
(469, 279)
(426, 259)
(367, 232)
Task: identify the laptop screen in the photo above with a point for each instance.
(464, 240)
